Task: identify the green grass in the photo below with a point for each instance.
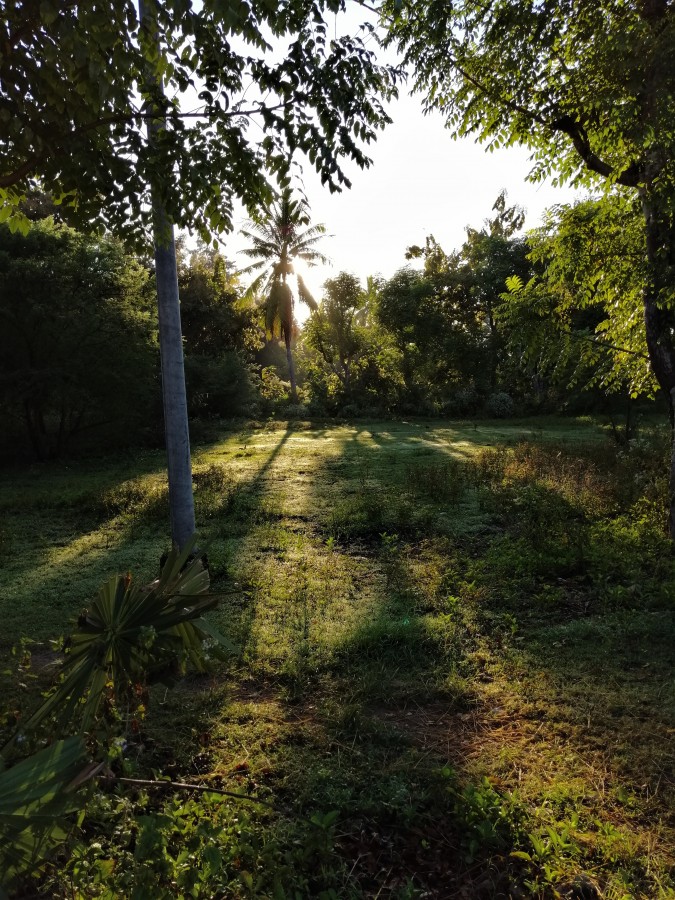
(456, 662)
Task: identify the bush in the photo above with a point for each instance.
(350, 411)
(141, 497)
(129, 637)
(273, 390)
(212, 479)
(218, 386)
(500, 405)
(464, 402)
(77, 344)
(295, 411)
(316, 408)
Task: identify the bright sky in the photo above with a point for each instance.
(421, 182)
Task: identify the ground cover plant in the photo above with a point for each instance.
(455, 666)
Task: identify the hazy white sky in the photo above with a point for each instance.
(421, 182)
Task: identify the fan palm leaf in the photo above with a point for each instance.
(36, 795)
(132, 634)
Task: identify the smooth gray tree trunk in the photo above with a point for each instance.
(176, 430)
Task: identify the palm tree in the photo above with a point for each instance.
(279, 236)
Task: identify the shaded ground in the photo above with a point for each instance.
(456, 668)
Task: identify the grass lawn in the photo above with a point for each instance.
(455, 675)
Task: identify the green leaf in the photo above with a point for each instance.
(132, 634)
(514, 284)
(35, 797)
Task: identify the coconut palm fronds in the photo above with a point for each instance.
(305, 295)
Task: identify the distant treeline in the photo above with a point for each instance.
(507, 325)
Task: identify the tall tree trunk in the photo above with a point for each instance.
(287, 327)
(659, 312)
(176, 430)
(291, 367)
(177, 436)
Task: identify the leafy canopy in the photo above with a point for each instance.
(334, 331)
(578, 320)
(77, 338)
(589, 86)
(350, 361)
(78, 82)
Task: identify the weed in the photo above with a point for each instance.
(137, 498)
(446, 481)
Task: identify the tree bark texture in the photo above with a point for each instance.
(660, 314)
(176, 430)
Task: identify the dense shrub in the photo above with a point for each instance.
(500, 405)
(220, 337)
(78, 355)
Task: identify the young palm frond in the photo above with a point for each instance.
(305, 295)
(131, 635)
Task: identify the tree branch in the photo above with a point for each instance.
(567, 124)
(22, 172)
(509, 104)
(28, 167)
(570, 126)
(631, 175)
(606, 345)
(180, 785)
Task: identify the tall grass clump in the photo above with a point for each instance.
(142, 498)
(446, 481)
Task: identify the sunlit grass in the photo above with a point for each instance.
(407, 601)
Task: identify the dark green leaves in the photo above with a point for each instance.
(578, 321)
(590, 87)
(132, 634)
(279, 311)
(35, 796)
(72, 118)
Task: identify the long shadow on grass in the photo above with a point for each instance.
(66, 534)
(372, 707)
(387, 681)
(357, 676)
(76, 529)
(237, 515)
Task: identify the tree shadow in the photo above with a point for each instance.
(74, 531)
(406, 679)
(405, 635)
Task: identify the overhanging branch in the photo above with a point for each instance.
(28, 167)
(630, 177)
